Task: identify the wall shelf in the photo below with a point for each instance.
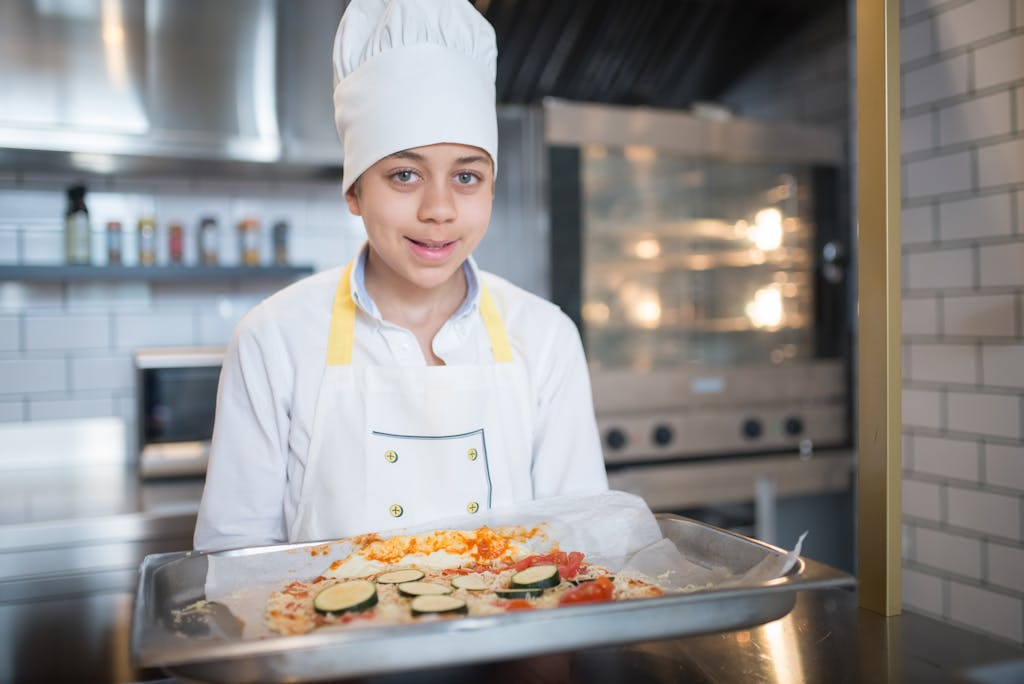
(83, 273)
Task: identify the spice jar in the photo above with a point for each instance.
(114, 243)
(208, 239)
(147, 241)
(280, 239)
(249, 241)
(176, 243)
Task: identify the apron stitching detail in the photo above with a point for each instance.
(397, 436)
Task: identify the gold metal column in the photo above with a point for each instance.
(879, 474)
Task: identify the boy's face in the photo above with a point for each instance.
(425, 209)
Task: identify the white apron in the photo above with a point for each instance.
(398, 446)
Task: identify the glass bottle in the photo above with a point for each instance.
(77, 235)
(114, 243)
(280, 239)
(207, 236)
(176, 243)
(249, 241)
(147, 241)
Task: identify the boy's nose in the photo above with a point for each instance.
(438, 204)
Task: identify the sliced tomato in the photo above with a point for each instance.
(517, 604)
(568, 563)
(589, 592)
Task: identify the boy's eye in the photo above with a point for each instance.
(403, 176)
(465, 178)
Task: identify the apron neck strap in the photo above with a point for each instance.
(343, 324)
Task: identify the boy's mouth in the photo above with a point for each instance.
(425, 244)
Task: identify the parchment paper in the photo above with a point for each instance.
(613, 529)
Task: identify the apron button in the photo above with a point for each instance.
(396, 511)
(391, 456)
(472, 507)
(472, 453)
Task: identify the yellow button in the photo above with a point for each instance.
(472, 454)
(472, 507)
(396, 510)
(390, 456)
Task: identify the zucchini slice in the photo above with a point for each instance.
(435, 605)
(399, 576)
(346, 596)
(423, 589)
(519, 593)
(537, 577)
(469, 582)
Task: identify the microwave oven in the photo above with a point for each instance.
(176, 390)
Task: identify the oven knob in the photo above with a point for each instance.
(793, 425)
(752, 428)
(663, 435)
(615, 438)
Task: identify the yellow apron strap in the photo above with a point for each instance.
(500, 347)
(343, 322)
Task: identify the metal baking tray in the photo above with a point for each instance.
(210, 648)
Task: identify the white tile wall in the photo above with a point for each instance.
(939, 175)
(943, 363)
(918, 225)
(970, 23)
(1006, 566)
(63, 409)
(1001, 264)
(10, 333)
(1001, 164)
(1004, 466)
(918, 39)
(126, 296)
(999, 62)
(944, 268)
(70, 331)
(980, 315)
(916, 133)
(935, 82)
(102, 373)
(984, 117)
(986, 610)
(987, 512)
(922, 592)
(949, 552)
(977, 217)
(997, 415)
(16, 297)
(12, 412)
(921, 500)
(154, 330)
(946, 457)
(920, 316)
(922, 408)
(33, 375)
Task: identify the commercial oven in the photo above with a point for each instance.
(702, 257)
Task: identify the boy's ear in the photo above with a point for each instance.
(352, 199)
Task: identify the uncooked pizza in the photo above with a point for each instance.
(445, 574)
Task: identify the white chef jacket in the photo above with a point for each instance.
(271, 377)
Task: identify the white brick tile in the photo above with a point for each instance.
(949, 552)
(102, 373)
(32, 205)
(935, 81)
(980, 315)
(987, 414)
(1019, 11)
(946, 457)
(8, 245)
(943, 363)
(151, 330)
(995, 514)
(43, 247)
(921, 591)
(917, 225)
(33, 375)
(11, 412)
(984, 117)
(10, 333)
(921, 500)
(67, 332)
(916, 133)
(986, 610)
(1006, 566)
(1004, 466)
(911, 7)
(920, 316)
(921, 408)
(108, 296)
(37, 297)
(939, 269)
(972, 22)
(939, 175)
(976, 217)
(1002, 264)
(1020, 100)
(63, 409)
(189, 296)
(916, 40)
(1001, 164)
(1003, 365)
(999, 62)
(214, 329)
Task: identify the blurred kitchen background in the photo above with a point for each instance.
(678, 176)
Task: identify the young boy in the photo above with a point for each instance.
(409, 385)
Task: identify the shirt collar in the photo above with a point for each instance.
(365, 302)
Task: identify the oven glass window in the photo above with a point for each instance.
(179, 403)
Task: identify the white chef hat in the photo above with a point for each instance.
(409, 73)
